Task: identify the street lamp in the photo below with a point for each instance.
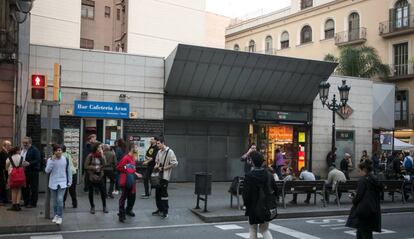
(334, 105)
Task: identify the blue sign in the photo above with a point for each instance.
(97, 109)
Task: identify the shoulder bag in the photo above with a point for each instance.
(157, 176)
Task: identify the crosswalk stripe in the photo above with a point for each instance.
(383, 231)
(247, 235)
(333, 225)
(47, 237)
(229, 227)
(291, 232)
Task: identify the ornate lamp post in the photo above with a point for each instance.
(334, 105)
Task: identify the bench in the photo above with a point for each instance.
(237, 192)
(302, 187)
(393, 186)
(349, 186)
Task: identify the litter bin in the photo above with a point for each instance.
(202, 184)
(202, 187)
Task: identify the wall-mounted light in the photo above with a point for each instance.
(84, 95)
(122, 97)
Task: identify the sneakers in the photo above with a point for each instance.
(92, 211)
(59, 221)
(164, 215)
(116, 192)
(156, 213)
(104, 210)
(145, 196)
(55, 218)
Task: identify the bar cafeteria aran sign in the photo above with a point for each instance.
(99, 109)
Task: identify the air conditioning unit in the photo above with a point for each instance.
(133, 115)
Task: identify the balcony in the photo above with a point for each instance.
(405, 124)
(265, 52)
(401, 72)
(353, 37)
(402, 26)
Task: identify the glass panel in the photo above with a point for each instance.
(113, 131)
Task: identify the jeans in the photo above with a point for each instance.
(147, 177)
(263, 229)
(111, 176)
(72, 191)
(129, 196)
(30, 192)
(57, 199)
(364, 234)
(161, 196)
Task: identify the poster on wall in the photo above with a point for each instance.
(345, 143)
(143, 144)
(71, 140)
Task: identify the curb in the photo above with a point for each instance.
(29, 228)
(211, 218)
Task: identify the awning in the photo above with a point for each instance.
(193, 71)
(398, 145)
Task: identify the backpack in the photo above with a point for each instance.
(266, 207)
(17, 177)
(408, 163)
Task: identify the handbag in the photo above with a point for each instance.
(156, 177)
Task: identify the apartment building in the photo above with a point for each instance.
(313, 28)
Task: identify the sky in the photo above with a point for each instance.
(243, 8)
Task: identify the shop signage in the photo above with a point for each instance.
(281, 116)
(344, 135)
(100, 109)
(302, 137)
(345, 112)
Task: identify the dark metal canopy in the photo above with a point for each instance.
(193, 71)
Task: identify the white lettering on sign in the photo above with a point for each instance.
(82, 107)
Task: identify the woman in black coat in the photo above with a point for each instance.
(258, 177)
(365, 213)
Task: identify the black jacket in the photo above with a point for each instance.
(33, 157)
(253, 181)
(3, 157)
(366, 211)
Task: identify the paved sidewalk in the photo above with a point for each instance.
(182, 201)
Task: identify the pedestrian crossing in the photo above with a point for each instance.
(47, 237)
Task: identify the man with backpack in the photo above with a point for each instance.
(408, 163)
(31, 155)
(259, 197)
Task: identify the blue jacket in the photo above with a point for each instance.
(33, 157)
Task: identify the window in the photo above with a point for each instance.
(107, 11)
(86, 43)
(401, 106)
(284, 40)
(252, 46)
(268, 45)
(329, 29)
(107, 48)
(401, 59)
(353, 26)
(306, 35)
(306, 3)
(236, 47)
(88, 9)
(118, 14)
(401, 14)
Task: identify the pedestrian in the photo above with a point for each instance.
(120, 152)
(94, 164)
(376, 162)
(408, 163)
(87, 148)
(150, 163)
(164, 163)
(279, 163)
(127, 175)
(4, 155)
(364, 156)
(16, 178)
(246, 159)
(73, 164)
(60, 179)
(365, 215)
(331, 158)
(304, 175)
(109, 169)
(32, 156)
(257, 178)
(346, 165)
(334, 177)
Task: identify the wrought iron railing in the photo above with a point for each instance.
(398, 25)
(357, 34)
(401, 69)
(407, 123)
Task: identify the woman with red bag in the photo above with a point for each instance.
(127, 177)
(17, 178)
